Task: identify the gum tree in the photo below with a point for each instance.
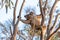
(43, 11)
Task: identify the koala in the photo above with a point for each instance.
(34, 19)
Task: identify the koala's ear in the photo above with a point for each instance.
(31, 13)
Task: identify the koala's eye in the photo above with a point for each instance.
(24, 16)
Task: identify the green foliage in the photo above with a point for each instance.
(7, 4)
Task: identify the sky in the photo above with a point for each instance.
(6, 16)
(28, 3)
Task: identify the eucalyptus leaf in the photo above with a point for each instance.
(9, 4)
(12, 3)
(6, 8)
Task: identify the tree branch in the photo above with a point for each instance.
(42, 12)
(16, 25)
(14, 14)
(20, 12)
(21, 35)
(54, 23)
(50, 19)
(51, 13)
(54, 32)
(45, 5)
(42, 22)
(40, 4)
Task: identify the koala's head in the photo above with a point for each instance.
(28, 16)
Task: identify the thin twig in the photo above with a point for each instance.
(54, 32)
(45, 5)
(51, 13)
(10, 30)
(54, 23)
(50, 19)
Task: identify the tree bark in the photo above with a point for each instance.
(14, 32)
(15, 25)
(41, 36)
(13, 36)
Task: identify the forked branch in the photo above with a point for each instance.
(14, 14)
(15, 26)
(54, 32)
(20, 12)
(54, 23)
(51, 13)
(14, 19)
(45, 6)
(42, 22)
(50, 19)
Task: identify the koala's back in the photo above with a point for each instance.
(36, 20)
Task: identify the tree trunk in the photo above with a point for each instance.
(14, 33)
(41, 36)
(13, 38)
